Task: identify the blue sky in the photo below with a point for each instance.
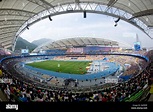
(95, 25)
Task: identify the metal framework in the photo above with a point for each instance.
(16, 12)
(7, 35)
(16, 20)
(11, 22)
(7, 29)
(142, 13)
(88, 7)
(6, 43)
(42, 3)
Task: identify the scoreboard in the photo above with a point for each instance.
(75, 50)
(25, 51)
(137, 46)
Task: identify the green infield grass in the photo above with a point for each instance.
(71, 67)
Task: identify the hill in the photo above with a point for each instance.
(41, 41)
(23, 44)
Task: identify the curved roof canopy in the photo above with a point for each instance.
(18, 15)
(76, 42)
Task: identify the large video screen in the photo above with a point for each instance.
(137, 46)
(23, 51)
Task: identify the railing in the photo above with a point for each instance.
(138, 95)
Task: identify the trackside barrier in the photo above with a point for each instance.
(138, 96)
(135, 97)
(145, 95)
(127, 98)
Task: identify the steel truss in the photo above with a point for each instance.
(6, 35)
(7, 43)
(7, 46)
(7, 39)
(42, 3)
(8, 29)
(90, 7)
(11, 22)
(16, 12)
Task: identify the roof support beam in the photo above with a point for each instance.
(42, 3)
(76, 42)
(52, 44)
(6, 35)
(69, 42)
(7, 27)
(58, 44)
(47, 4)
(89, 41)
(142, 13)
(12, 31)
(49, 46)
(7, 39)
(11, 22)
(96, 41)
(8, 46)
(16, 12)
(110, 4)
(77, 1)
(82, 41)
(7, 43)
(62, 42)
(10, 27)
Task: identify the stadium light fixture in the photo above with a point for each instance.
(115, 24)
(84, 14)
(27, 27)
(117, 20)
(50, 18)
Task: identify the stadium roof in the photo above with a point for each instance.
(18, 15)
(77, 42)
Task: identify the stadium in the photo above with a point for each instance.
(75, 69)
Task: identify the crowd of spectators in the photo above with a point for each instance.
(29, 92)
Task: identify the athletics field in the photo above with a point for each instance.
(71, 67)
